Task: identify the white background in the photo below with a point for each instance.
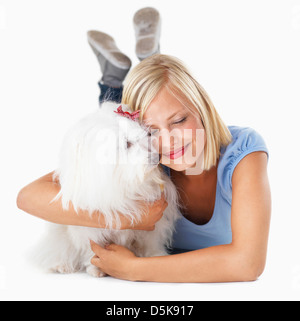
(244, 53)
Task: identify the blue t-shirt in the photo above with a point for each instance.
(217, 231)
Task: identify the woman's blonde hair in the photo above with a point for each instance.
(145, 81)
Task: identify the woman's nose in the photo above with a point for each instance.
(165, 140)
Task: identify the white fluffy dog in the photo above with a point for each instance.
(105, 165)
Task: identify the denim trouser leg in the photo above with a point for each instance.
(110, 93)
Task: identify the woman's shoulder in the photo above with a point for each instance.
(245, 140)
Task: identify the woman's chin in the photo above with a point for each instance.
(179, 167)
(183, 164)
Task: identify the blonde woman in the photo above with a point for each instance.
(222, 235)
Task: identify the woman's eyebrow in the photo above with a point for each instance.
(177, 112)
(172, 115)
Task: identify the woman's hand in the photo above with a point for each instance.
(114, 260)
(155, 213)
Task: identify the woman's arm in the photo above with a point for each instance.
(35, 199)
(242, 260)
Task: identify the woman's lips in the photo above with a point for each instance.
(177, 153)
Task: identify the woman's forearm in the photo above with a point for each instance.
(36, 198)
(220, 263)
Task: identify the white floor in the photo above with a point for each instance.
(22, 282)
(245, 54)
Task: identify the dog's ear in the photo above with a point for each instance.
(70, 169)
(83, 165)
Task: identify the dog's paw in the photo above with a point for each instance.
(94, 271)
(63, 269)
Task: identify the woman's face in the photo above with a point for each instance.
(178, 135)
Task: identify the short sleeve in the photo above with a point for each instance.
(245, 140)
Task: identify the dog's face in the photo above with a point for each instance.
(128, 145)
(102, 154)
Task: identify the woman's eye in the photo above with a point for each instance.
(180, 121)
(155, 131)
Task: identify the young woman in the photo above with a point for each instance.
(222, 235)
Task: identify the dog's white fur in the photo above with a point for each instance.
(94, 176)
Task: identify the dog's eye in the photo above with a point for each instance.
(153, 132)
(129, 144)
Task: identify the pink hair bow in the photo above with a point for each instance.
(133, 116)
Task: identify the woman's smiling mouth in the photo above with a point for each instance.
(177, 153)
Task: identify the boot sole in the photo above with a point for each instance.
(147, 25)
(105, 45)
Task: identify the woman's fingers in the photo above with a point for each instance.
(97, 249)
(96, 261)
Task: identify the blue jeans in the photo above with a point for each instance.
(110, 94)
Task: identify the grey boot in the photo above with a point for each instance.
(113, 63)
(147, 26)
